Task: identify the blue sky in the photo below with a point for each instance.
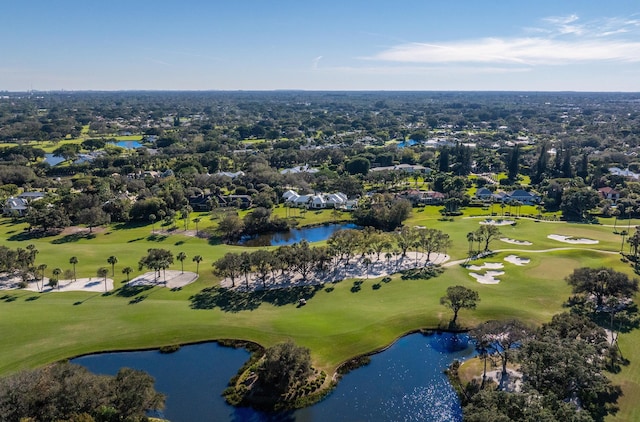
(586, 45)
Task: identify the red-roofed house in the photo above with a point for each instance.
(609, 193)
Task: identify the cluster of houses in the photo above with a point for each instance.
(319, 200)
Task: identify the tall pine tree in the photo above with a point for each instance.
(513, 165)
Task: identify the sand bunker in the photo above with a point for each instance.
(486, 265)
(573, 240)
(491, 222)
(487, 278)
(517, 260)
(93, 284)
(516, 242)
(174, 279)
(353, 269)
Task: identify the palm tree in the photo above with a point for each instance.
(388, 257)
(32, 252)
(185, 216)
(181, 257)
(196, 220)
(73, 261)
(113, 260)
(103, 272)
(152, 218)
(366, 262)
(56, 273)
(628, 211)
(245, 266)
(471, 237)
(127, 271)
(41, 268)
(623, 233)
(197, 259)
(616, 214)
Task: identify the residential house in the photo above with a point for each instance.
(300, 169)
(230, 174)
(417, 197)
(318, 201)
(624, 173)
(523, 196)
(484, 194)
(20, 205)
(408, 168)
(609, 193)
(242, 201)
(201, 202)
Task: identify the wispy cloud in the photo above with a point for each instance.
(315, 62)
(421, 70)
(561, 40)
(530, 51)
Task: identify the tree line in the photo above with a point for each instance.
(342, 246)
(563, 363)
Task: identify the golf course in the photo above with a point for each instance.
(337, 322)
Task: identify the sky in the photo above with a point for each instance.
(459, 45)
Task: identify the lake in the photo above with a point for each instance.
(310, 234)
(128, 144)
(405, 382)
(52, 160)
(407, 143)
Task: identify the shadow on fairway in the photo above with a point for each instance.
(215, 240)
(73, 238)
(229, 300)
(80, 302)
(33, 234)
(157, 237)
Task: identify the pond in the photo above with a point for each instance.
(128, 144)
(52, 160)
(310, 234)
(407, 143)
(405, 382)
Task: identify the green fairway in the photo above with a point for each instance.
(337, 323)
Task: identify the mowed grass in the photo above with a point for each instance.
(338, 321)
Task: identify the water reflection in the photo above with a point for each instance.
(405, 382)
(310, 234)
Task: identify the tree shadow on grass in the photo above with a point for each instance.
(73, 238)
(215, 240)
(137, 299)
(8, 298)
(32, 298)
(32, 234)
(357, 286)
(157, 237)
(129, 290)
(229, 300)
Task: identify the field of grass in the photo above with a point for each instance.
(338, 321)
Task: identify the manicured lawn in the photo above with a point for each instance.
(337, 322)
